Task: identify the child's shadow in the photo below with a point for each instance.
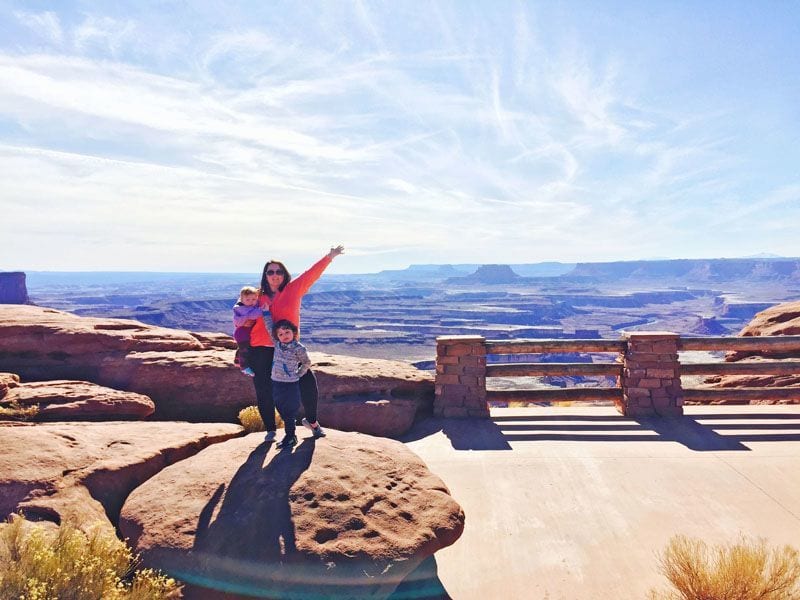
(254, 522)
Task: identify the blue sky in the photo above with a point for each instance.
(175, 136)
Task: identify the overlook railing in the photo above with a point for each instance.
(646, 366)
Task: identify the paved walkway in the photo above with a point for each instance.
(575, 503)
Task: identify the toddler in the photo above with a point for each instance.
(245, 313)
(290, 363)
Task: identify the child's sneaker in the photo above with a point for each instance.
(249, 372)
(317, 431)
(287, 442)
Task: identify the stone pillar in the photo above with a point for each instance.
(460, 377)
(651, 375)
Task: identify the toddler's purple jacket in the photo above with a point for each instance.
(242, 313)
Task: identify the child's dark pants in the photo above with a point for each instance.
(242, 337)
(287, 400)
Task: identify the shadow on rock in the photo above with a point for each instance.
(245, 551)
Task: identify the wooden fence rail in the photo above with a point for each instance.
(646, 367)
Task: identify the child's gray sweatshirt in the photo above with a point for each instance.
(291, 360)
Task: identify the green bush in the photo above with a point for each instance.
(251, 419)
(68, 564)
(746, 570)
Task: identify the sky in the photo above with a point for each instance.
(199, 136)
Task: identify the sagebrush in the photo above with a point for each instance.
(13, 411)
(38, 563)
(744, 570)
(251, 419)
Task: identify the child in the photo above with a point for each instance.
(245, 313)
(290, 363)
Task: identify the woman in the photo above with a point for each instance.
(283, 295)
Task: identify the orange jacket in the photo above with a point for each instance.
(286, 304)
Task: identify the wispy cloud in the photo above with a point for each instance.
(46, 24)
(461, 133)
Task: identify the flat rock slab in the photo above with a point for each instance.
(84, 471)
(349, 515)
(80, 401)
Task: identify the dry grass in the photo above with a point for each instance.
(13, 411)
(745, 570)
(251, 420)
(68, 564)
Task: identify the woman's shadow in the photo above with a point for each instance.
(251, 534)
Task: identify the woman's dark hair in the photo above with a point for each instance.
(287, 277)
(283, 324)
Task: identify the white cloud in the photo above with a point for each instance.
(47, 24)
(105, 33)
(461, 134)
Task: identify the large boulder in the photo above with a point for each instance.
(347, 516)
(84, 471)
(191, 376)
(781, 319)
(375, 416)
(63, 400)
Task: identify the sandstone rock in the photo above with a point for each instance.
(8, 381)
(84, 471)
(781, 319)
(347, 516)
(189, 376)
(13, 289)
(375, 416)
(80, 401)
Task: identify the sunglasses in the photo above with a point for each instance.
(275, 272)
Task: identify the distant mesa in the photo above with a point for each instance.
(423, 272)
(13, 289)
(697, 270)
(491, 274)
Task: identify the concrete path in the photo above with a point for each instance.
(576, 503)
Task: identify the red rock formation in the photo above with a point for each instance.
(8, 381)
(781, 319)
(80, 401)
(84, 471)
(191, 376)
(350, 514)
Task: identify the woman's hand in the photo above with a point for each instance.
(336, 251)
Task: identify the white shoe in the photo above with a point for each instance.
(270, 437)
(317, 431)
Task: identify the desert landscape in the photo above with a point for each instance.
(126, 426)
(398, 314)
(539, 264)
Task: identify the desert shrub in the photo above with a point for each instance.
(68, 564)
(745, 570)
(13, 411)
(251, 420)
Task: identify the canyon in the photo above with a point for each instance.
(398, 314)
